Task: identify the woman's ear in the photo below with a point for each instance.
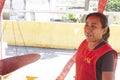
(105, 30)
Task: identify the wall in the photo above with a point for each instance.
(51, 34)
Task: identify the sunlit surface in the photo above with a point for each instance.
(49, 66)
(44, 69)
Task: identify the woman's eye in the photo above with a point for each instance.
(93, 26)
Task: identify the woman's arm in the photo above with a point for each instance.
(108, 76)
(108, 66)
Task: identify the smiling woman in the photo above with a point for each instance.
(95, 54)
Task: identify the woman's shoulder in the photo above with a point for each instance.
(107, 61)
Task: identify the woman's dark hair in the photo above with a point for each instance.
(104, 22)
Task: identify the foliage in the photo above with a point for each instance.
(113, 5)
(68, 16)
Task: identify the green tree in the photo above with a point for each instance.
(113, 5)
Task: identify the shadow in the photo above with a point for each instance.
(46, 53)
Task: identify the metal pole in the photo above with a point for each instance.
(86, 5)
(1, 7)
(24, 9)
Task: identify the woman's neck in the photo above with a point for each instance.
(93, 44)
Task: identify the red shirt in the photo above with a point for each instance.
(86, 61)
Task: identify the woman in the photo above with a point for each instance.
(95, 59)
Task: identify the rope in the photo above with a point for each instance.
(12, 13)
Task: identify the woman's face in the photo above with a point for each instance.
(93, 29)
